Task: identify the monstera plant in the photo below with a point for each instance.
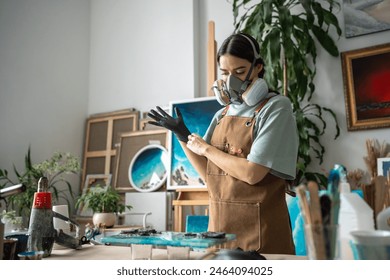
(288, 32)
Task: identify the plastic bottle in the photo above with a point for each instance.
(355, 214)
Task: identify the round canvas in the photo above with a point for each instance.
(148, 168)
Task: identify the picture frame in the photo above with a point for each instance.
(91, 182)
(197, 114)
(129, 145)
(383, 166)
(101, 138)
(367, 96)
(148, 168)
(365, 17)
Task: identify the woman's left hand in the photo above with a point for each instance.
(196, 144)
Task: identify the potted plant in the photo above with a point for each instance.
(55, 169)
(105, 203)
(287, 32)
(10, 220)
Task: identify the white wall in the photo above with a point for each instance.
(44, 61)
(142, 54)
(63, 60)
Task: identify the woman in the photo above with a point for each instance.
(248, 152)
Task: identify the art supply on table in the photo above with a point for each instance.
(370, 244)
(40, 230)
(320, 211)
(355, 214)
(319, 232)
(334, 192)
(201, 240)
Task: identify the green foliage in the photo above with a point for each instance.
(102, 200)
(287, 31)
(8, 215)
(55, 169)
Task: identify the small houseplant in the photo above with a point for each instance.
(105, 203)
(10, 220)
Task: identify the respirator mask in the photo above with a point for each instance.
(231, 91)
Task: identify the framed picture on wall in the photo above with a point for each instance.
(366, 74)
(197, 114)
(365, 17)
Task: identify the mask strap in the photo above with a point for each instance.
(247, 82)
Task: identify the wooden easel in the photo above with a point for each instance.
(197, 196)
(211, 58)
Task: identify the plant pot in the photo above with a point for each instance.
(104, 219)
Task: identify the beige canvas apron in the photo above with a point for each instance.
(257, 214)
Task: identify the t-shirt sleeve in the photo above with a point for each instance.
(276, 139)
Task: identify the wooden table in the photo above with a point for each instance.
(103, 252)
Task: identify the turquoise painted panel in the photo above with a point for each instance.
(197, 223)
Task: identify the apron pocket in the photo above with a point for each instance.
(242, 219)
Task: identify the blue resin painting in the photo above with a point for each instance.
(147, 170)
(166, 239)
(197, 115)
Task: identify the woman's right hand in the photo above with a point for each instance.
(196, 144)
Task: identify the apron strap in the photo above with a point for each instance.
(224, 112)
(248, 123)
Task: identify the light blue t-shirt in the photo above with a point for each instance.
(276, 141)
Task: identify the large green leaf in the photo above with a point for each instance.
(325, 40)
(319, 11)
(331, 19)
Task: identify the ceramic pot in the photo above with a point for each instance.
(104, 219)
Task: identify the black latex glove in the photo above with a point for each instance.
(177, 126)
